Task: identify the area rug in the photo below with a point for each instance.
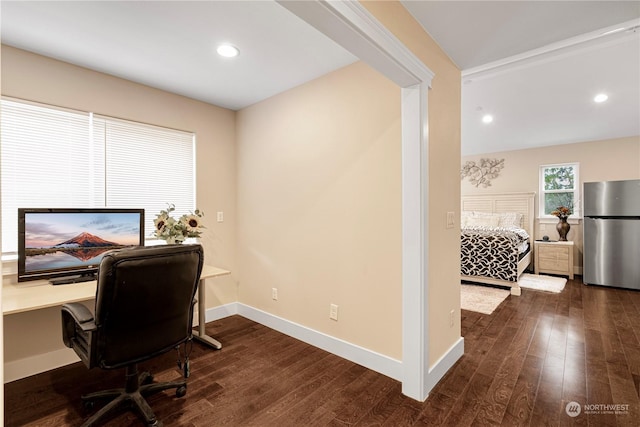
(542, 282)
(482, 299)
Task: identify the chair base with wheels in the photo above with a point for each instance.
(137, 387)
(144, 308)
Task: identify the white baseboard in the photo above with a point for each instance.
(220, 312)
(446, 362)
(33, 365)
(362, 356)
(370, 359)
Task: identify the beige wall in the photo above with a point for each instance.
(444, 187)
(319, 207)
(607, 160)
(36, 78)
(319, 200)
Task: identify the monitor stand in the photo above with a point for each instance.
(72, 279)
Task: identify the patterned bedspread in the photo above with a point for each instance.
(491, 252)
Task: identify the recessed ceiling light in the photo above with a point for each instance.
(487, 118)
(227, 50)
(600, 97)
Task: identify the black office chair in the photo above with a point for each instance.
(144, 308)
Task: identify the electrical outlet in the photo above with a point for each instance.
(452, 320)
(274, 294)
(220, 216)
(333, 312)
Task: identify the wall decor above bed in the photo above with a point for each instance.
(481, 174)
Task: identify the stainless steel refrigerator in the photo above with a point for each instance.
(612, 233)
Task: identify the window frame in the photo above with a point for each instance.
(542, 192)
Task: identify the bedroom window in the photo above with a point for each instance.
(55, 157)
(559, 186)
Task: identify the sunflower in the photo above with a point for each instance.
(161, 223)
(191, 222)
(177, 230)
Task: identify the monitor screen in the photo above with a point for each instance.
(68, 242)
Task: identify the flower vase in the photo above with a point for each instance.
(563, 228)
(192, 241)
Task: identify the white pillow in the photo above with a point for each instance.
(510, 219)
(483, 221)
(505, 219)
(464, 216)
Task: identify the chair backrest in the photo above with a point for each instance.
(144, 302)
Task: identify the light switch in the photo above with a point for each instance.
(220, 216)
(451, 217)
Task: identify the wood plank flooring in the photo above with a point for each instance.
(522, 365)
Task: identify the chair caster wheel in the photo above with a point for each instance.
(147, 379)
(181, 391)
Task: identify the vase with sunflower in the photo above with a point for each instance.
(176, 231)
(563, 227)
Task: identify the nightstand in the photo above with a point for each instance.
(553, 258)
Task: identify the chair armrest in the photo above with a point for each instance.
(81, 315)
(78, 327)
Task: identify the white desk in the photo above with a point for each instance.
(207, 272)
(38, 294)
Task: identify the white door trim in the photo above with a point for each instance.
(349, 24)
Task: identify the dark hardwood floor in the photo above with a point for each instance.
(522, 365)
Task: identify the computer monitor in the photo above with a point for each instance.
(66, 245)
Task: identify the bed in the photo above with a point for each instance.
(496, 240)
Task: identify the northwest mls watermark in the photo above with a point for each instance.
(573, 409)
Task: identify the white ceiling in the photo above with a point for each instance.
(541, 100)
(171, 45)
(535, 66)
(474, 33)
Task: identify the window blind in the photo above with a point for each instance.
(47, 161)
(147, 166)
(52, 157)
